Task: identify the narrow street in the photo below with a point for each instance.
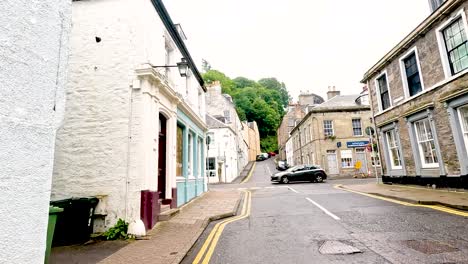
(290, 223)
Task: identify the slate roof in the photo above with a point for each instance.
(340, 102)
(215, 123)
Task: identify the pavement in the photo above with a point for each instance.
(318, 223)
(168, 242)
(412, 194)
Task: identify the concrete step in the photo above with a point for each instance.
(168, 214)
(165, 207)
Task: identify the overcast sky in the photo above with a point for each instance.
(308, 44)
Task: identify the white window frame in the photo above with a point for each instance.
(351, 158)
(441, 41)
(464, 133)
(332, 128)
(404, 78)
(397, 147)
(360, 123)
(418, 142)
(190, 155)
(377, 87)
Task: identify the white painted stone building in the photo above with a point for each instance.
(228, 151)
(134, 132)
(34, 53)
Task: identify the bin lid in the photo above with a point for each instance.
(55, 210)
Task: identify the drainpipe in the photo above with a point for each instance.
(377, 135)
(129, 139)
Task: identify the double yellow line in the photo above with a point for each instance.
(213, 238)
(250, 174)
(434, 207)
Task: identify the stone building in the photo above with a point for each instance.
(420, 101)
(134, 129)
(333, 135)
(32, 100)
(228, 151)
(295, 113)
(252, 133)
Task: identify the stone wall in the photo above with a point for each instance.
(35, 40)
(436, 87)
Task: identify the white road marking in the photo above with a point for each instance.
(255, 188)
(270, 187)
(323, 209)
(269, 172)
(293, 190)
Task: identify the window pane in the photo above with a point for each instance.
(455, 41)
(180, 146)
(464, 118)
(357, 129)
(395, 157)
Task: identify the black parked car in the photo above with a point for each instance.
(311, 173)
(261, 157)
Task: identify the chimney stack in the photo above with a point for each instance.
(332, 92)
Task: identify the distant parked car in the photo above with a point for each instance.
(282, 165)
(265, 155)
(311, 173)
(260, 157)
(271, 154)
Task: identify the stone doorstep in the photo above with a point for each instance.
(168, 214)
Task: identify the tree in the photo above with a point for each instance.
(261, 101)
(227, 84)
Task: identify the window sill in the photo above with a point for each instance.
(428, 166)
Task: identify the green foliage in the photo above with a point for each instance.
(263, 101)
(269, 143)
(119, 231)
(226, 83)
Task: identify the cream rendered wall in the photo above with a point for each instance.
(109, 135)
(34, 55)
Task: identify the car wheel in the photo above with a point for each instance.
(319, 177)
(284, 180)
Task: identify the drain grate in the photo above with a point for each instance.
(337, 248)
(429, 247)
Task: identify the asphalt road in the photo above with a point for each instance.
(290, 223)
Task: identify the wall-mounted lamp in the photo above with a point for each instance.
(182, 66)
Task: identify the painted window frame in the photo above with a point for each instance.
(404, 78)
(453, 106)
(180, 145)
(379, 95)
(351, 166)
(426, 171)
(360, 126)
(190, 158)
(464, 133)
(420, 141)
(332, 128)
(390, 148)
(392, 171)
(441, 42)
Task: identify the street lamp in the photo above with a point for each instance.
(182, 66)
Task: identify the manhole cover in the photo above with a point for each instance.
(429, 246)
(337, 248)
